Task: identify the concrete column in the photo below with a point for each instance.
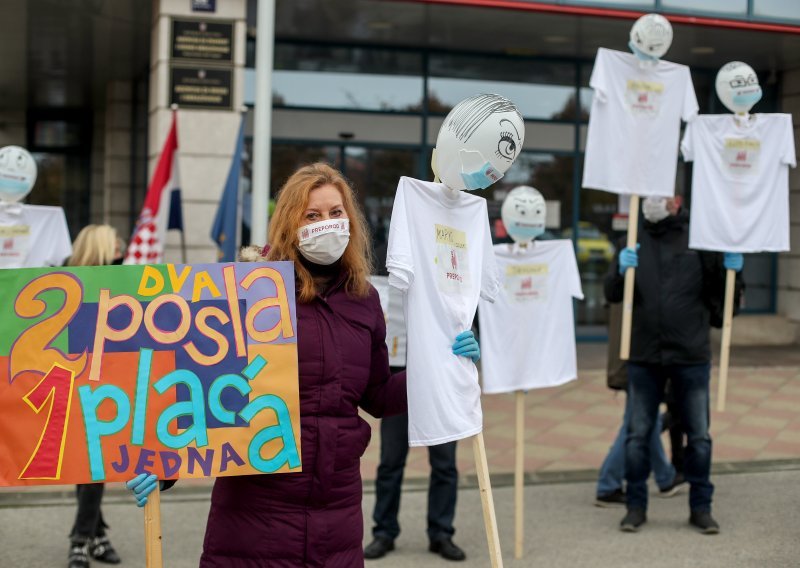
(789, 263)
(206, 138)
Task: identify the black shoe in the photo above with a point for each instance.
(101, 550)
(447, 549)
(704, 522)
(614, 499)
(678, 483)
(378, 548)
(78, 555)
(633, 520)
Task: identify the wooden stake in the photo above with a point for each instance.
(519, 478)
(725, 350)
(630, 279)
(152, 530)
(489, 519)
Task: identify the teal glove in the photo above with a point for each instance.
(466, 346)
(733, 261)
(141, 486)
(628, 258)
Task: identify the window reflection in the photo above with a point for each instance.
(347, 78)
(719, 6)
(539, 89)
(777, 9)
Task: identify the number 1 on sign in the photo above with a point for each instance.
(56, 387)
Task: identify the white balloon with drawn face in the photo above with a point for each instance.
(17, 173)
(524, 212)
(650, 37)
(737, 87)
(478, 141)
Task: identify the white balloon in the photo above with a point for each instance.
(478, 141)
(737, 87)
(17, 173)
(651, 36)
(524, 211)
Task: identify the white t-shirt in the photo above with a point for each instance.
(740, 182)
(33, 236)
(632, 143)
(440, 254)
(528, 333)
(394, 314)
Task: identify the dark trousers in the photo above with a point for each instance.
(442, 490)
(89, 519)
(690, 389)
(676, 434)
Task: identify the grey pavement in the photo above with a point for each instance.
(759, 513)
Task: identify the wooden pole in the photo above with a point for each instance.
(630, 278)
(485, 486)
(519, 478)
(725, 351)
(152, 530)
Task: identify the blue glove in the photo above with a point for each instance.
(141, 486)
(466, 346)
(628, 258)
(733, 261)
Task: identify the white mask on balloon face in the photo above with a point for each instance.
(17, 173)
(524, 212)
(737, 87)
(650, 37)
(324, 242)
(655, 209)
(477, 143)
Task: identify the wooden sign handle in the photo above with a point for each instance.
(725, 350)
(519, 478)
(152, 530)
(485, 486)
(630, 278)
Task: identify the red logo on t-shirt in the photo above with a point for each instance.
(8, 244)
(527, 284)
(741, 156)
(453, 259)
(642, 97)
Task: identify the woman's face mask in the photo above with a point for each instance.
(324, 242)
(655, 209)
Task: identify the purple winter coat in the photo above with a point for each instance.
(314, 518)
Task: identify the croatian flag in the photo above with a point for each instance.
(162, 206)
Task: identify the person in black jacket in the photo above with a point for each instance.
(678, 294)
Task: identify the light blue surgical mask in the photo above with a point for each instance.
(525, 232)
(482, 178)
(747, 99)
(14, 189)
(640, 54)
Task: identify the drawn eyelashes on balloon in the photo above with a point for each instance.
(507, 146)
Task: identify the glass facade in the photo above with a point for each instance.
(422, 86)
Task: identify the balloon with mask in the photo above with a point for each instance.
(737, 87)
(650, 38)
(17, 173)
(478, 141)
(523, 212)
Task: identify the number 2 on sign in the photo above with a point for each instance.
(56, 387)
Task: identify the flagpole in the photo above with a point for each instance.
(239, 196)
(262, 121)
(174, 108)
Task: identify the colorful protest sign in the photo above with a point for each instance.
(179, 370)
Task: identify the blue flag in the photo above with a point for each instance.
(225, 229)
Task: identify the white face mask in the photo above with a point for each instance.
(654, 209)
(324, 242)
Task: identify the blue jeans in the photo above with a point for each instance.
(442, 490)
(645, 391)
(612, 472)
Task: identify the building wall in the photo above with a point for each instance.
(789, 263)
(206, 138)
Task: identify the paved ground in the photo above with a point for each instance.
(759, 514)
(568, 432)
